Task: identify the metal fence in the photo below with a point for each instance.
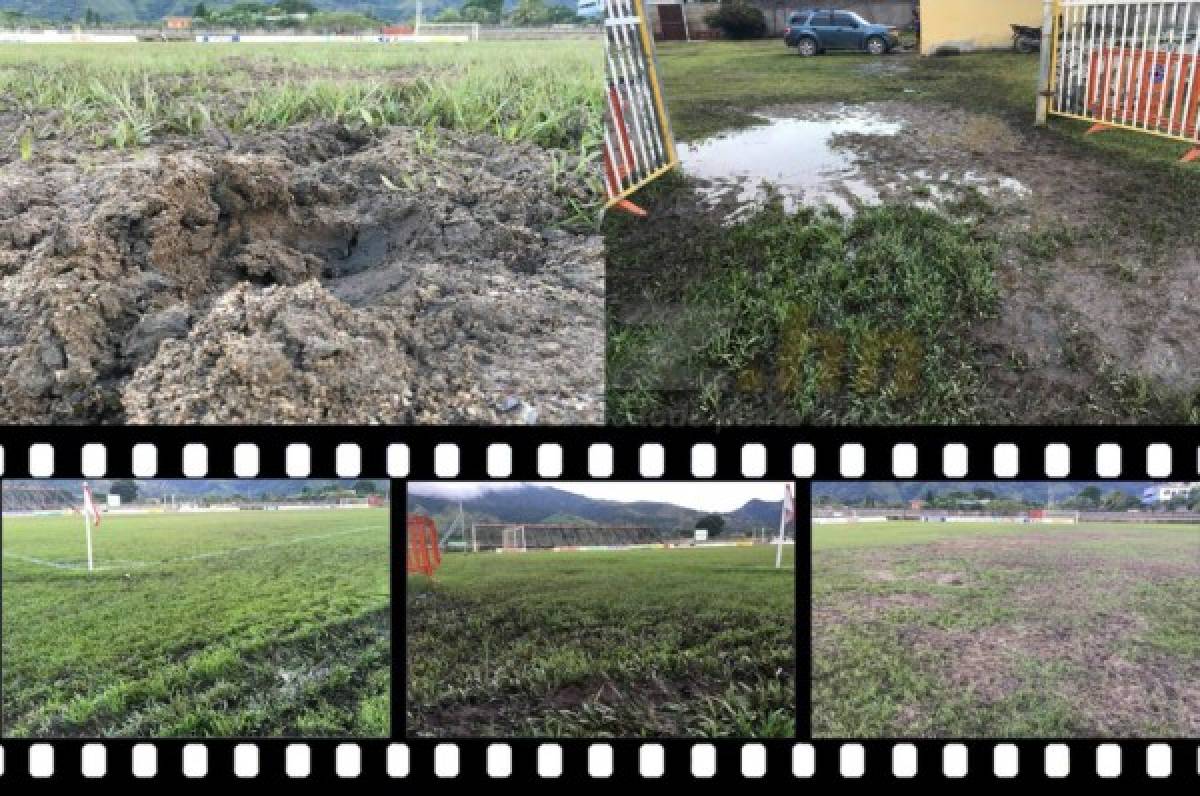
(637, 134)
(1128, 65)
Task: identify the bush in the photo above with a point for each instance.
(738, 20)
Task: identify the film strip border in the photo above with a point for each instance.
(527, 759)
(592, 452)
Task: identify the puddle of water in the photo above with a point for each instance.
(794, 158)
(948, 186)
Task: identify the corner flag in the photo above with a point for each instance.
(90, 515)
(786, 514)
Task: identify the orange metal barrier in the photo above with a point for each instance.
(424, 556)
(1126, 64)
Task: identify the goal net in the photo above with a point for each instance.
(513, 538)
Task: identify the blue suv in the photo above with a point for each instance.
(818, 30)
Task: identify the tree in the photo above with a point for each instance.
(713, 523)
(529, 13)
(738, 20)
(295, 7)
(1090, 496)
(127, 490)
(493, 7)
(200, 11)
(364, 488)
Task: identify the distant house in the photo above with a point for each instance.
(1165, 493)
(177, 23)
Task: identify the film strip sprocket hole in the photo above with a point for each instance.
(599, 760)
(622, 453)
(589, 453)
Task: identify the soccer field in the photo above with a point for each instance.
(1006, 630)
(679, 642)
(208, 624)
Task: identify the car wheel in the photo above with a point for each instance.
(876, 46)
(806, 47)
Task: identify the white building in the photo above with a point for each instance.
(1165, 493)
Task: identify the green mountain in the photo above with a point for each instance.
(537, 504)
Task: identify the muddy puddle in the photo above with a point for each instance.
(825, 158)
(320, 274)
(796, 159)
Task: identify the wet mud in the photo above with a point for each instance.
(1096, 301)
(319, 274)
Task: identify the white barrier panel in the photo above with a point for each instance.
(1128, 64)
(638, 146)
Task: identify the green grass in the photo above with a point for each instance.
(806, 318)
(128, 96)
(687, 642)
(1003, 630)
(238, 624)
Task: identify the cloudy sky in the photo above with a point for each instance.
(717, 496)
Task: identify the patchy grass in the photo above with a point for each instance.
(598, 644)
(803, 318)
(129, 96)
(240, 624)
(993, 630)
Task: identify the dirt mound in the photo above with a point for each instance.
(315, 274)
(292, 354)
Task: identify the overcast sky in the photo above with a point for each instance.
(719, 496)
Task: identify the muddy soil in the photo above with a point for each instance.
(320, 274)
(1087, 300)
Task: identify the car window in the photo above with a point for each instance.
(821, 19)
(797, 19)
(844, 20)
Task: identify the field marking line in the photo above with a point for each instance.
(214, 554)
(43, 562)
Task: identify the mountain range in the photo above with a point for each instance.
(152, 11)
(539, 504)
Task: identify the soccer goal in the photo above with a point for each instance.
(450, 31)
(513, 539)
(1054, 517)
(549, 536)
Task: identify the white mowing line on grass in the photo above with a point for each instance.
(215, 554)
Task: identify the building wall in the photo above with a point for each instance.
(966, 25)
(883, 12)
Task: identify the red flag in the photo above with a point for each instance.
(89, 505)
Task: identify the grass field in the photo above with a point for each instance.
(124, 96)
(991, 630)
(983, 308)
(230, 624)
(603, 644)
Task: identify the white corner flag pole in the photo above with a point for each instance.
(782, 521)
(87, 528)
